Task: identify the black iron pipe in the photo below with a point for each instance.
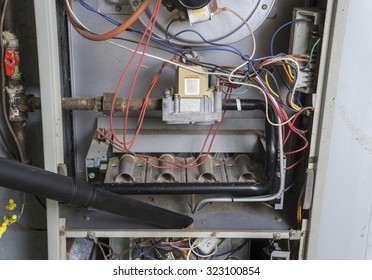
(271, 158)
(71, 191)
(246, 189)
(243, 189)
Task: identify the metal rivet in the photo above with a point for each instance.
(91, 175)
(264, 7)
(117, 8)
(135, 3)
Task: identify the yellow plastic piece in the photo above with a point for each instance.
(3, 228)
(7, 221)
(12, 219)
(11, 205)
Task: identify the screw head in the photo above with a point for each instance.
(277, 236)
(166, 93)
(91, 175)
(117, 8)
(169, 4)
(264, 7)
(135, 3)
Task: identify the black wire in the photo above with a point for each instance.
(40, 201)
(236, 249)
(232, 251)
(290, 90)
(276, 67)
(276, 84)
(143, 252)
(167, 30)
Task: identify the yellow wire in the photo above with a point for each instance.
(290, 72)
(289, 76)
(276, 94)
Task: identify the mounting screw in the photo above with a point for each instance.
(91, 175)
(166, 92)
(169, 4)
(91, 235)
(135, 3)
(264, 7)
(117, 8)
(276, 236)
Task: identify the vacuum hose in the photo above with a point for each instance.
(74, 192)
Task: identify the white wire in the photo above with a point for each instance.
(193, 246)
(267, 105)
(253, 52)
(230, 76)
(257, 198)
(175, 63)
(74, 17)
(248, 26)
(19, 216)
(286, 59)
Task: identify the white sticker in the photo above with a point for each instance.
(238, 104)
(192, 86)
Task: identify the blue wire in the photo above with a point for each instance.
(90, 8)
(281, 28)
(232, 50)
(276, 33)
(160, 41)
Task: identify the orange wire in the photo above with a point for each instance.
(114, 32)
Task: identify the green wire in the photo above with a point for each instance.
(312, 53)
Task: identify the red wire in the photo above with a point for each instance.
(153, 21)
(293, 165)
(125, 73)
(172, 164)
(284, 117)
(146, 100)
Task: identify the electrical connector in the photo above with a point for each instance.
(11, 205)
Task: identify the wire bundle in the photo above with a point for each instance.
(252, 74)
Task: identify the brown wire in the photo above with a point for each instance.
(112, 33)
(3, 95)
